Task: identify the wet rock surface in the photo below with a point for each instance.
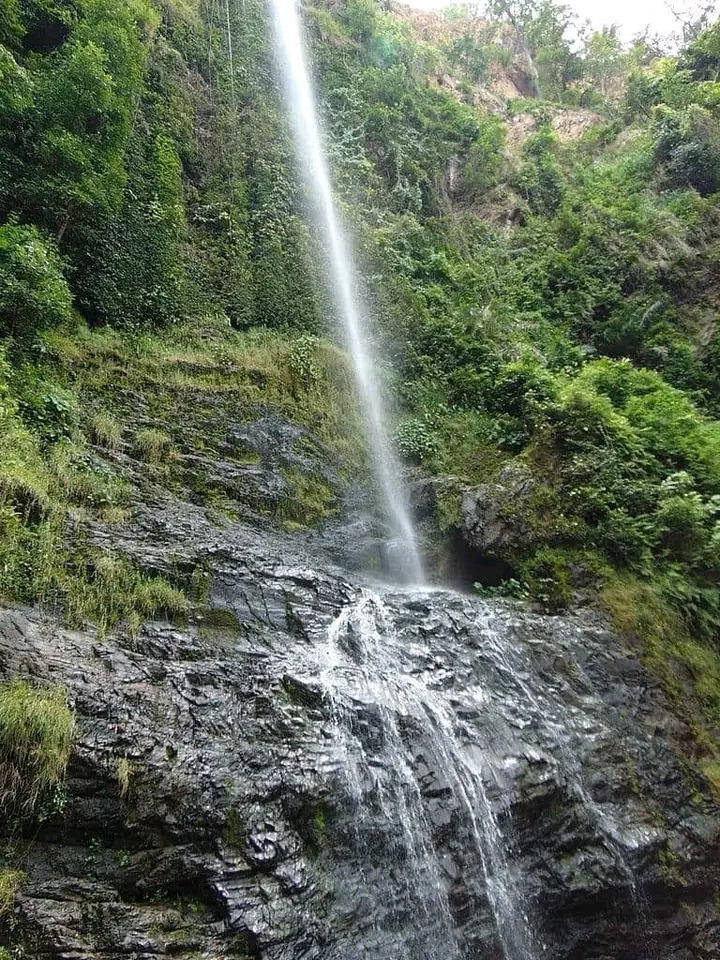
(493, 514)
(334, 770)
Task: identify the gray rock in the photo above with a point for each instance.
(325, 779)
(494, 515)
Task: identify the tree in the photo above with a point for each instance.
(541, 27)
(603, 57)
(520, 14)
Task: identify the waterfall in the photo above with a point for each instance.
(427, 746)
(306, 125)
(362, 663)
(458, 731)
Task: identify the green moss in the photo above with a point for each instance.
(449, 510)
(688, 670)
(82, 480)
(320, 826)
(292, 526)
(547, 576)
(216, 624)
(310, 499)
(670, 867)
(36, 731)
(246, 457)
(467, 446)
(235, 831)
(711, 769)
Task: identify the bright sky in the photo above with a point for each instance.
(632, 15)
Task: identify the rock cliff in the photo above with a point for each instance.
(318, 766)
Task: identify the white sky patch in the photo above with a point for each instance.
(632, 16)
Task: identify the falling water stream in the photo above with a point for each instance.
(362, 662)
(406, 562)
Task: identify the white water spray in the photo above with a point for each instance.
(301, 99)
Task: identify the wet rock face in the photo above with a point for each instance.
(492, 515)
(323, 771)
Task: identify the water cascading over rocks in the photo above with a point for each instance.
(312, 766)
(362, 661)
(358, 773)
(406, 563)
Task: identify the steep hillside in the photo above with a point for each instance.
(542, 270)
(183, 474)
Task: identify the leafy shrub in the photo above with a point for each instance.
(481, 169)
(687, 145)
(467, 387)
(540, 179)
(34, 294)
(36, 731)
(415, 440)
(521, 389)
(683, 518)
(548, 579)
(46, 407)
(303, 360)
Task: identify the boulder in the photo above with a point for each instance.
(494, 516)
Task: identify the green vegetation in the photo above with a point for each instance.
(9, 882)
(124, 776)
(309, 500)
(550, 298)
(108, 590)
(36, 730)
(235, 832)
(153, 445)
(43, 475)
(105, 431)
(538, 223)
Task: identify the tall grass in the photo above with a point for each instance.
(36, 731)
(9, 881)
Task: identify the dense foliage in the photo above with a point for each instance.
(550, 298)
(146, 147)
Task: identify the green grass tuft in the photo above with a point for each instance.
(9, 882)
(36, 731)
(105, 431)
(82, 480)
(152, 445)
(106, 590)
(124, 770)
